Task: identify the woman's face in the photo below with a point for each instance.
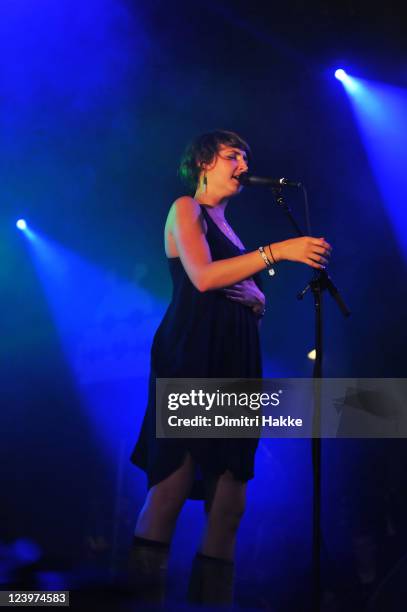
(229, 163)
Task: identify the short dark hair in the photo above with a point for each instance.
(202, 151)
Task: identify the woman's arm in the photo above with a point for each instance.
(205, 274)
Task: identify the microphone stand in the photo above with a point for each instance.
(318, 284)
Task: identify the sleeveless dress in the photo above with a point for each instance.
(202, 335)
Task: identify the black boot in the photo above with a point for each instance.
(147, 570)
(211, 581)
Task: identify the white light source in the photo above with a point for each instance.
(340, 74)
(312, 355)
(21, 224)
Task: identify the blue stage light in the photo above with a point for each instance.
(26, 551)
(21, 224)
(349, 82)
(340, 74)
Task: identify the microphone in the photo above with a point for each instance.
(265, 181)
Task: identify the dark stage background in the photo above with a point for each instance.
(99, 99)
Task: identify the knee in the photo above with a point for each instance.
(165, 503)
(230, 517)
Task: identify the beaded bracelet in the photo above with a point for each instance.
(266, 260)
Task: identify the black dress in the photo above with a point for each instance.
(202, 335)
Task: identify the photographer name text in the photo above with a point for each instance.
(242, 421)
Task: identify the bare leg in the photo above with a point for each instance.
(164, 502)
(224, 509)
(148, 560)
(212, 576)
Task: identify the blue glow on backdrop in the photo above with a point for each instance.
(381, 114)
(106, 326)
(78, 52)
(52, 581)
(26, 551)
(17, 554)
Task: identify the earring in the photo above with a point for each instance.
(205, 183)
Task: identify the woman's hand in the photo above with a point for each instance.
(314, 252)
(247, 293)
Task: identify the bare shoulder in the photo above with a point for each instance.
(184, 211)
(184, 216)
(186, 205)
